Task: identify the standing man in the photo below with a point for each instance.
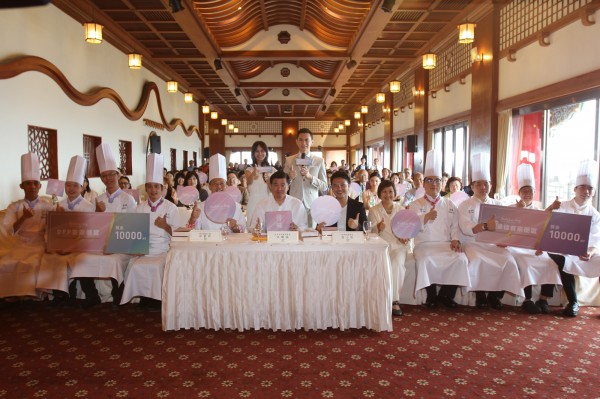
(306, 171)
(438, 251)
(492, 269)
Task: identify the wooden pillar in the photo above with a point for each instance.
(388, 131)
(290, 131)
(484, 90)
(421, 116)
(217, 136)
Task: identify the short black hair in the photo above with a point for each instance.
(280, 174)
(385, 184)
(340, 174)
(304, 130)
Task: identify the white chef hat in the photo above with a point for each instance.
(587, 174)
(217, 167)
(480, 167)
(525, 176)
(76, 171)
(433, 163)
(106, 159)
(154, 168)
(30, 167)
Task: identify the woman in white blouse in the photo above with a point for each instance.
(257, 183)
(381, 216)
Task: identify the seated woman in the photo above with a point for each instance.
(191, 179)
(381, 216)
(87, 193)
(369, 196)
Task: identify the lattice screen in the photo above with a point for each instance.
(257, 127)
(453, 61)
(320, 127)
(42, 141)
(521, 19)
(407, 82)
(125, 156)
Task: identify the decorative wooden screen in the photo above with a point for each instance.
(42, 141)
(407, 82)
(321, 127)
(195, 159)
(185, 159)
(89, 152)
(173, 159)
(125, 157)
(453, 62)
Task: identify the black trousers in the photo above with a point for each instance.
(567, 279)
(89, 289)
(448, 291)
(547, 291)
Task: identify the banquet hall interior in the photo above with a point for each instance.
(386, 79)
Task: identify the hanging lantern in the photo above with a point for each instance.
(223, 122)
(380, 98)
(395, 86)
(348, 122)
(134, 61)
(429, 61)
(172, 86)
(466, 33)
(357, 115)
(205, 109)
(92, 32)
(188, 98)
(214, 115)
(364, 109)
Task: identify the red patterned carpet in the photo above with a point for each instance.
(47, 352)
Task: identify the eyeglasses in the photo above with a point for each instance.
(430, 180)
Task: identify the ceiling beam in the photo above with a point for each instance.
(284, 55)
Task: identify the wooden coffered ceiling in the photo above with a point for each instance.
(312, 76)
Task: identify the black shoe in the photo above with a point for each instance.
(494, 302)
(481, 300)
(431, 304)
(396, 309)
(90, 302)
(571, 309)
(531, 307)
(448, 302)
(543, 305)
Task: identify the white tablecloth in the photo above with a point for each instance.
(240, 284)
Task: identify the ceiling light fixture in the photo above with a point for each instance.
(92, 32)
(214, 115)
(380, 98)
(347, 122)
(176, 5)
(223, 122)
(134, 61)
(364, 109)
(172, 86)
(357, 115)
(429, 61)
(466, 33)
(188, 98)
(206, 109)
(395, 86)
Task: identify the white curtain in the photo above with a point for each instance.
(504, 151)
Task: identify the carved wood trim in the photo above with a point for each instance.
(16, 66)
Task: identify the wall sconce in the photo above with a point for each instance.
(134, 61)
(290, 132)
(433, 94)
(92, 32)
(475, 55)
(395, 86)
(446, 88)
(223, 122)
(417, 92)
(347, 122)
(466, 33)
(380, 98)
(402, 109)
(236, 130)
(410, 105)
(357, 115)
(364, 109)
(396, 112)
(382, 119)
(205, 109)
(188, 98)
(172, 86)
(429, 61)
(214, 115)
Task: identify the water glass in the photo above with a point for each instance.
(367, 227)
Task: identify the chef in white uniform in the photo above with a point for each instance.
(109, 268)
(26, 220)
(534, 267)
(492, 269)
(54, 268)
(438, 251)
(217, 174)
(144, 274)
(588, 264)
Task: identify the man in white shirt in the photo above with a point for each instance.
(217, 181)
(438, 251)
(306, 171)
(26, 220)
(88, 267)
(588, 264)
(144, 274)
(280, 201)
(492, 269)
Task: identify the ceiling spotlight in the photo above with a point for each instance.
(332, 92)
(350, 64)
(176, 5)
(248, 107)
(237, 92)
(388, 5)
(218, 64)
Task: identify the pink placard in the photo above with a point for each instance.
(234, 192)
(419, 192)
(219, 207)
(400, 189)
(187, 195)
(55, 187)
(458, 197)
(325, 209)
(406, 224)
(278, 220)
(355, 188)
(202, 177)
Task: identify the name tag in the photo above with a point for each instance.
(303, 162)
(206, 235)
(347, 237)
(282, 237)
(265, 169)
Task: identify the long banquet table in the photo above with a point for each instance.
(241, 284)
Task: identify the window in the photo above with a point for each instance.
(89, 152)
(185, 160)
(453, 141)
(239, 156)
(195, 158)
(125, 157)
(42, 141)
(554, 138)
(173, 159)
(399, 152)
